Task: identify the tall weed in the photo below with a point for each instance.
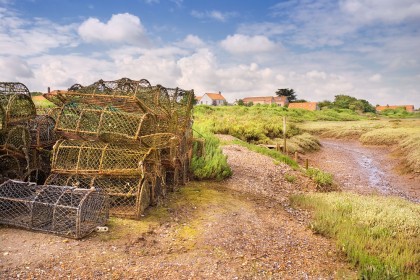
(378, 234)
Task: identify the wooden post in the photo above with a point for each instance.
(284, 134)
(296, 156)
(306, 163)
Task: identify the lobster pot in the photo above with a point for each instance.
(129, 196)
(2, 118)
(14, 88)
(19, 108)
(154, 100)
(68, 211)
(42, 131)
(94, 121)
(160, 140)
(15, 141)
(87, 157)
(120, 93)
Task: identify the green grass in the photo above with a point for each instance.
(267, 152)
(324, 180)
(41, 102)
(212, 164)
(262, 124)
(380, 235)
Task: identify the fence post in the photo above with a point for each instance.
(306, 163)
(284, 135)
(296, 156)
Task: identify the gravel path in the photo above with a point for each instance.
(241, 228)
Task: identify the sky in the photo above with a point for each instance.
(369, 49)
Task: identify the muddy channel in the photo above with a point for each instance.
(365, 169)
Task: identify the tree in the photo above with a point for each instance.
(241, 102)
(290, 93)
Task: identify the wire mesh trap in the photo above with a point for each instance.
(42, 131)
(18, 108)
(14, 88)
(68, 211)
(95, 157)
(129, 196)
(94, 120)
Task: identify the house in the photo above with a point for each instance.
(408, 108)
(279, 100)
(214, 99)
(310, 106)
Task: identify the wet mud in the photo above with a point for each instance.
(365, 169)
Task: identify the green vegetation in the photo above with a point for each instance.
(267, 152)
(378, 234)
(41, 102)
(323, 180)
(400, 113)
(342, 101)
(213, 164)
(262, 124)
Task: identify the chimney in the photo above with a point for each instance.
(220, 92)
(48, 90)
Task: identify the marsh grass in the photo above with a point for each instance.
(264, 124)
(267, 152)
(323, 180)
(213, 164)
(380, 235)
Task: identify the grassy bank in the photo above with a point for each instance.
(378, 234)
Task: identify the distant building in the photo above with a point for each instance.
(215, 99)
(279, 100)
(408, 108)
(310, 106)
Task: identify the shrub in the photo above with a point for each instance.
(213, 164)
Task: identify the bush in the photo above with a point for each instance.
(213, 164)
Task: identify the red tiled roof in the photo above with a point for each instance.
(311, 106)
(215, 96)
(198, 98)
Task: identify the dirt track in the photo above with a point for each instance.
(242, 228)
(365, 169)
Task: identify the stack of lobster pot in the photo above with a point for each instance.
(127, 137)
(25, 138)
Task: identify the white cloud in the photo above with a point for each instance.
(21, 37)
(191, 41)
(14, 68)
(244, 44)
(121, 28)
(215, 15)
(388, 11)
(316, 75)
(375, 78)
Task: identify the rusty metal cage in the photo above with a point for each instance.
(95, 157)
(18, 108)
(68, 211)
(93, 120)
(14, 88)
(129, 196)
